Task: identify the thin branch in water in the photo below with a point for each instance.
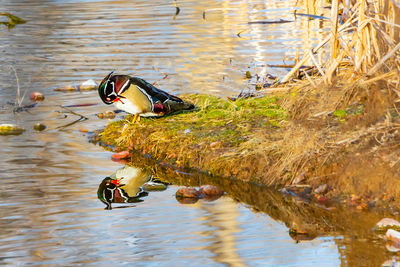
(17, 102)
(81, 118)
(18, 98)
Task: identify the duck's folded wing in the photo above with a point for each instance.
(155, 93)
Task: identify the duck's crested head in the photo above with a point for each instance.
(112, 87)
(106, 89)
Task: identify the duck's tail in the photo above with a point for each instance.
(173, 106)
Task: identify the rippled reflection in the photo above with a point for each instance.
(127, 185)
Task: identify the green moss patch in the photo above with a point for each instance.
(203, 138)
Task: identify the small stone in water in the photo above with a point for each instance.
(152, 186)
(248, 74)
(210, 190)
(67, 88)
(39, 127)
(36, 96)
(10, 129)
(187, 192)
(88, 85)
(106, 115)
(109, 115)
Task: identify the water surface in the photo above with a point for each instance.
(50, 214)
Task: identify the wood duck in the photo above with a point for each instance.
(136, 96)
(123, 186)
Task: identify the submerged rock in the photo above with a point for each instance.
(10, 129)
(187, 192)
(387, 223)
(210, 191)
(68, 88)
(106, 115)
(39, 127)
(36, 96)
(152, 186)
(85, 86)
(88, 85)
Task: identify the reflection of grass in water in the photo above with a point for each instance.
(12, 20)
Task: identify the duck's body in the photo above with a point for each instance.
(136, 96)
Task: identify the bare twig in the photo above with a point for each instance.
(81, 118)
(17, 99)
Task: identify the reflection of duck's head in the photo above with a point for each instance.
(106, 191)
(123, 186)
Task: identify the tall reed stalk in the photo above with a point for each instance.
(368, 38)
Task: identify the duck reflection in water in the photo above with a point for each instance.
(126, 185)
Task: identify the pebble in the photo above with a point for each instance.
(248, 74)
(187, 192)
(106, 115)
(39, 127)
(152, 186)
(36, 96)
(88, 85)
(121, 155)
(210, 190)
(67, 88)
(10, 129)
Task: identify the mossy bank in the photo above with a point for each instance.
(343, 137)
(218, 137)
